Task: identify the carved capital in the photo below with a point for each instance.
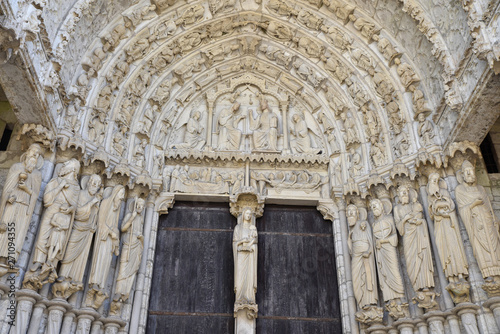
(247, 197)
(459, 292)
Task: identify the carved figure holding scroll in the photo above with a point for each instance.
(17, 204)
(481, 223)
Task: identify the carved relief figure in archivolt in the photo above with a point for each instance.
(17, 204)
(480, 221)
(77, 252)
(60, 201)
(229, 134)
(446, 230)
(386, 241)
(130, 257)
(107, 242)
(245, 259)
(412, 226)
(265, 128)
(361, 249)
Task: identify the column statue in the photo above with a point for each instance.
(361, 248)
(17, 204)
(60, 200)
(412, 226)
(245, 259)
(386, 241)
(130, 258)
(107, 242)
(481, 223)
(77, 252)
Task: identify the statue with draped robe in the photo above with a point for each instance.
(229, 134)
(265, 128)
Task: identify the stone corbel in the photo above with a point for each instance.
(328, 209)
(247, 197)
(164, 202)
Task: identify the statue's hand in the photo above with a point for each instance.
(12, 199)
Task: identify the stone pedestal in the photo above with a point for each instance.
(467, 313)
(244, 322)
(25, 300)
(57, 308)
(96, 327)
(494, 305)
(113, 324)
(85, 318)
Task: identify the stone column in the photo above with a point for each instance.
(112, 325)
(435, 319)
(69, 317)
(453, 322)
(494, 305)
(336, 214)
(96, 327)
(467, 313)
(405, 326)
(84, 321)
(164, 202)
(57, 307)
(422, 328)
(141, 275)
(284, 119)
(25, 300)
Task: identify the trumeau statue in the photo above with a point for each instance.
(446, 229)
(480, 221)
(19, 196)
(265, 128)
(363, 258)
(245, 259)
(107, 241)
(386, 241)
(78, 248)
(60, 200)
(193, 138)
(412, 226)
(131, 254)
(229, 134)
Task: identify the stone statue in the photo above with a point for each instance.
(77, 252)
(245, 259)
(106, 244)
(265, 128)
(412, 226)
(340, 9)
(350, 131)
(363, 258)
(386, 241)
(133, 245)
(446, 230)
(481, 223)
(17, 204)
(60, 200)
(425, 130)
(229, 134)
(377, 152)
(193, 138)
(302, 141)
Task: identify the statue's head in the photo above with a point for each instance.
(352, 214)
(247, 215)
(32, 155)
(468, 172)
(94, 184)
(377, 207)
(139, 205)
(70, 166)
(433, 184)
(421, 117)
(236, 106)
(404, 194)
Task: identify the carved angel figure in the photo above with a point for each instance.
(133, 245)
(245, 259)
(107, 242)
(480, 221)
(19, 196)
(193, 138)
(362, 253)
(446, 229)
(386, 241)
(412, 226)
(302, 141)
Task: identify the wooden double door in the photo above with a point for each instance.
(192, 286)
